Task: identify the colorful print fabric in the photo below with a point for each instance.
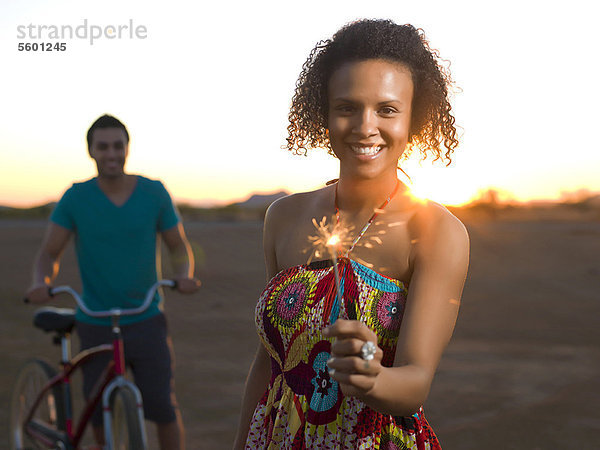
(304, 408)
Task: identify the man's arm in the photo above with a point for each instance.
(182, 259)
(47, 262)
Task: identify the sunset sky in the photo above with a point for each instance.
(205, 95)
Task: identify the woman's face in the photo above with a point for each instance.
(369, 116)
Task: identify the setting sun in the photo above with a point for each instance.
(440, 184)
(215, 136)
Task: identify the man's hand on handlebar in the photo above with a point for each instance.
(187, 285)
(38, 294)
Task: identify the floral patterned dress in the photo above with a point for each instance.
(303, 407)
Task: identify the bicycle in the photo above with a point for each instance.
(41, 413)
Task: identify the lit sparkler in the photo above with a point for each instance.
(332, 237)
(332, 244)
(329, 240)
(328, 237)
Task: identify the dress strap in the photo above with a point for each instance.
(370, 221)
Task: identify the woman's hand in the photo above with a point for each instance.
(356, 376)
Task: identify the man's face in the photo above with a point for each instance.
(109, 149)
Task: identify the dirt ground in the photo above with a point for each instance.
(522, 370)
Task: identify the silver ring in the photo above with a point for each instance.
(367, 351)
(331, 372)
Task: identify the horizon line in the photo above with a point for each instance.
(487, 196)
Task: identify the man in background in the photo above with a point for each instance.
(116, 219)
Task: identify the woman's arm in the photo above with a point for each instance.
(440, 261)
(256, 385)
(260, 370)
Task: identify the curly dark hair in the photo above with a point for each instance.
(432, 124)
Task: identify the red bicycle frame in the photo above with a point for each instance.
(113, 376)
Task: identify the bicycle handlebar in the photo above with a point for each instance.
(114, 311)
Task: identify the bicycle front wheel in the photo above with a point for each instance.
(126, 426)
(50, 410)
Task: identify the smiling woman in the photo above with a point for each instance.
(431, 124)
(349, 346)
(369, 116)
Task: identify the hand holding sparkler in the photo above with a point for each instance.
(355, 361)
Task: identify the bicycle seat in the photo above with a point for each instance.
(50, 318)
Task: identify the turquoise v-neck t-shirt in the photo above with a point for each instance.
(117, 246)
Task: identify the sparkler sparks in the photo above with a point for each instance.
(329, 240)
(333, 241)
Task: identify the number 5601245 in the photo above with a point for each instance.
(42, 46)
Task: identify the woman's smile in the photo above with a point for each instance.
(365, 150)
(369, 116)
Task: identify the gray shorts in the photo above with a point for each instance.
(149, 355)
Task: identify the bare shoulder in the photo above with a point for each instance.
(283, 205)
(286, 209)
(286, 220)
(433, 225)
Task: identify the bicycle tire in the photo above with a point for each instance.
(32, 376)
(127, 429)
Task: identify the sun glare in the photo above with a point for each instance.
(433, 185)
